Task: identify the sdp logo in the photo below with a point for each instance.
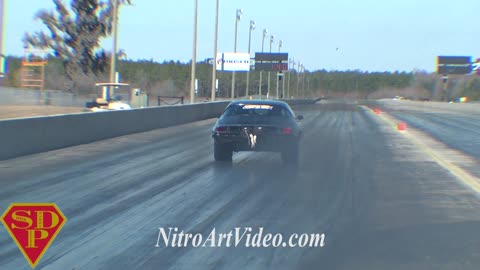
(33, 226)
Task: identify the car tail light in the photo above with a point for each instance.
(287, 130)
(221, 129)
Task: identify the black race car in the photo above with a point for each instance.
(257, 125)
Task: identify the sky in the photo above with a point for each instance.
(367, 35)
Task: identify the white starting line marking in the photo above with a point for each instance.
(467, 178)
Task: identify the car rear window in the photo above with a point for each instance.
(257, 109)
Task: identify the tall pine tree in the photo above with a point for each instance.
(75, 34)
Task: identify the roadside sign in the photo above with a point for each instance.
(233, 62)
(445, 78)
(273, 66)
(476, 66)
(459, 65)
(271, 57)
(271, 61)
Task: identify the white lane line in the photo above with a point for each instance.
(470, 180)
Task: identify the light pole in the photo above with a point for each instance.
(280, 44)
(237, 19)
(265, 34)
(2, 34)
(113, 58)
(299, 67)
(309, 90)
(214, 66)
(272, 38)
(252, 27)
(283, 85)
(303, 81)
(194, 56)
(290, 67)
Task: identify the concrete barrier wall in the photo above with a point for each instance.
(432, 106)
(293, 102)
(39, 134)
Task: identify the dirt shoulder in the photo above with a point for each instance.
(20, 111)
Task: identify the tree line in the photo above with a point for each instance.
(173, 78)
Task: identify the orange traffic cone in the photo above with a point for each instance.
(402, 126)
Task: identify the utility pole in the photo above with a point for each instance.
(194, 57)
(214, 66)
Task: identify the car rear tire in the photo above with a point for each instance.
(222, 152)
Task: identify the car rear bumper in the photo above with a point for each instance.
(267, 143)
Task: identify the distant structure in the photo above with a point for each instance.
(33, 69)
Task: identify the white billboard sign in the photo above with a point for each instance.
(476, 66)
(233, 61)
